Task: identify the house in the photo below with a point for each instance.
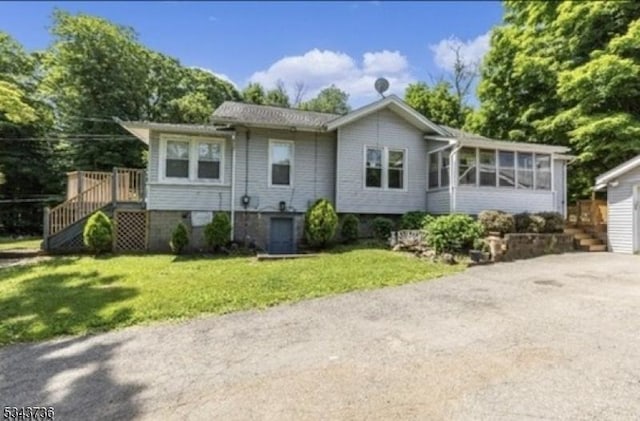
(622, 185)
(266, 165)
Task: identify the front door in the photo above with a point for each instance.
(281, 236)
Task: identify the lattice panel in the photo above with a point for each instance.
(131, 230)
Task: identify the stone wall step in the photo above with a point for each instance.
(589, 241)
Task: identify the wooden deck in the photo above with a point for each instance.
(89, 191)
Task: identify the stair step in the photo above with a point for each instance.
(594, 247)
(572, 230)
(590, 242)
(581, 236)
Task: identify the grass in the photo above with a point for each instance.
(76, 295)
(21, 243)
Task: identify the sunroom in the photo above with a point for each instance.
(469, 175)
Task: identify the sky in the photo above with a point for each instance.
(349, 44)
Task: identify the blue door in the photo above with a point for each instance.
(281, 236)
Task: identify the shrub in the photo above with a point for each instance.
(428, 219)
(217, 232)
(382, 227)
(320, 223)
(98, 233)
(179, 238)
(553, 222)
(453, 233)
(349, 229)
(528, 223)
(495, 220)
(412, 220)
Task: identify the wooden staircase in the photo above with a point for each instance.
(588, 238)
(88, 192)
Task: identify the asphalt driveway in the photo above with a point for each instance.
(556, 337)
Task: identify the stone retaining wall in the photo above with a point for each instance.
(525, 246)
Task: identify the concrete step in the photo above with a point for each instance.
(589, 241)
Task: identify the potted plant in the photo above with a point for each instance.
(480, 252)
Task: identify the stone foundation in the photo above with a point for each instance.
(525, 246)
(251, 228)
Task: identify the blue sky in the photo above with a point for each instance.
(318, 43)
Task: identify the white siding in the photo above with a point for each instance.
(558, 185)
(438, 201)
(187, 197)
(473, 200)
(314, 170)
(384, 128)
(620, 229)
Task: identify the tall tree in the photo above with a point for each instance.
(565, 73)
(329, 100)
(439, 103)
(25, 157)
(254, 94)
(95, 70)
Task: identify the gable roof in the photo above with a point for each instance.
(396, 104)
(625, 167)
(269, 116)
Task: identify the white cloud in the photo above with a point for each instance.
(320, 68)
(471, 51)
(218, 75)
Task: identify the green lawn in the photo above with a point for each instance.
(9, 243)
(74, 295)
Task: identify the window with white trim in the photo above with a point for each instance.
(373, 175)
(525, 170)
(543, 172)
(487, 167)
(395, 170)
(185, 159)
(280, 163)
(467, 166)
(506, 169)
(177, 159)
(385, 168)
(439, 169)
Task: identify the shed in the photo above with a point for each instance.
(622, 184)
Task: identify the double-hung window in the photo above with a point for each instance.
(281, 163)
(439, 169)
(194, 159)
(385, 168)
(434, 182)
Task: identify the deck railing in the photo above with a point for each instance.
(94, 190)
(591, 212)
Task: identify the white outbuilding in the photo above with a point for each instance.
(623, 206)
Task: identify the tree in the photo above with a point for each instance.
(565, 73)
(329, 100)
(26, 159)
(300, 89)
(95, 70)
(254, 94)
(278, 96)
(438, 103)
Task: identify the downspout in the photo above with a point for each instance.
(452, 178)
(233, 185)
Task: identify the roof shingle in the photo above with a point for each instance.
(237, 112)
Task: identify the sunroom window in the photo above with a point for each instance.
(525, 170)
(487, 167)
(467, 166)
(543, 172)
(433, 170)
(507, 169)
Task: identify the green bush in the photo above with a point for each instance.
(179, 238)
(499, 221)
(320, 223)
(349, 230)
(218, 231)
(412, 220)
(528, 223)
(382, 227)
(553, 222)
(453, 233)
(98, 233)
(428, 219)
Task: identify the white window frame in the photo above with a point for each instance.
(439, 154)
(385, 168)
(193, 159)
(292, 166)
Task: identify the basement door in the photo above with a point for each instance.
(281, 236)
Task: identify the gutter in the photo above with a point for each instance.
(233, 185)
(453, 177)
(321, 129)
